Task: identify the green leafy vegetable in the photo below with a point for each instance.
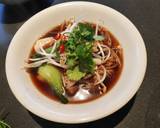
(84, 53)
(79, 48)
(83, 31)
(4, 125)
(98, 38)
(75, 74)
(37, 55)
(71, 62)
(86, 31)
(53, 77)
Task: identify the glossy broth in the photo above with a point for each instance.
(47, 91)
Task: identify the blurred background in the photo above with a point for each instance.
(13, 11)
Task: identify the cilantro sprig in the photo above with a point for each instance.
(79, 48)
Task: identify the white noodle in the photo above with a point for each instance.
(51, 61)
(104, 88)
(97, 61)
(43, 41)
(109, 53)
(53, 48)
(35, 64)
(70, 29)
(96, 31)
(96, 55)
(37, 59)
(45, 54)
(104, 75)
(100, 48)
(99, 52)
(39, 46)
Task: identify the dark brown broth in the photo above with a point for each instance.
(47, 91)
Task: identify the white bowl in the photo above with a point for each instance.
(135, 61)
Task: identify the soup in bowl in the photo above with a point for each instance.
(86, 58)
(76, 66)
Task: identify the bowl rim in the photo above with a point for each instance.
(120, 105)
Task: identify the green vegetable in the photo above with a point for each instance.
(4, 125)
(86, 31)
(98, 38)
(75, 74)
(71, 62)
(79, 48)
(53, 77)
(83, 31)
(84, 53)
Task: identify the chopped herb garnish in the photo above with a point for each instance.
(75, 74)
(79, 48)
(98, 38)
